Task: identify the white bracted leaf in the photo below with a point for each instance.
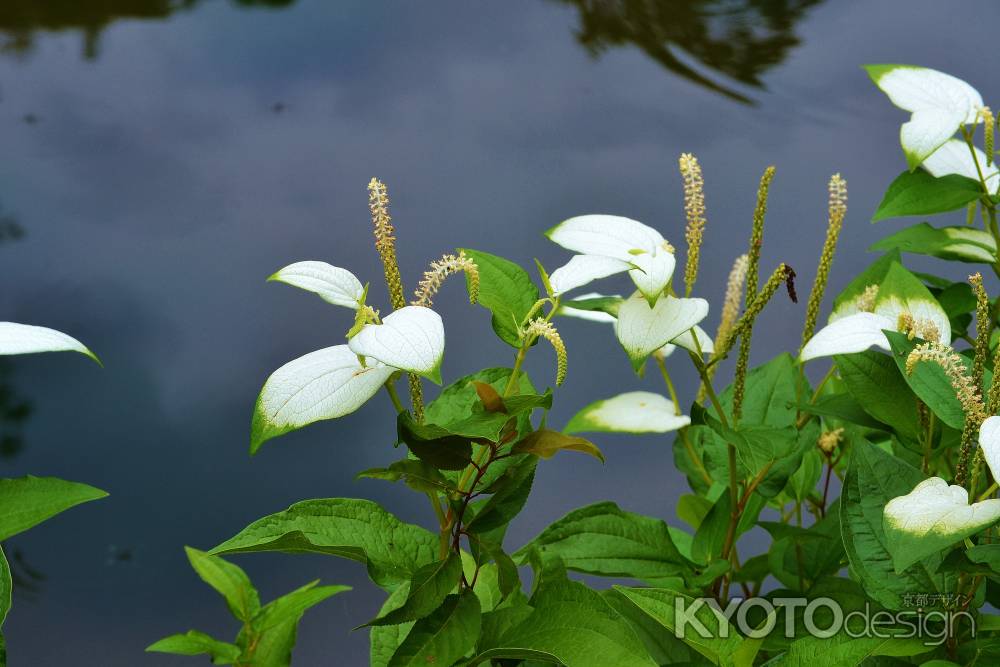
(324, 384)
(570, 309)
(641, 330)
(933, 517)
(653, 272)
(332, 283)
(27, 339)
(687, 341)
(605, 235)
(940, 104)
(853, 333)
(631, 412)
(410, 339)
(582, 269)
(989, 441)
(954, 157)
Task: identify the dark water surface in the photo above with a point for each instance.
(160, 159)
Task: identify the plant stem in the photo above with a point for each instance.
(390, 387)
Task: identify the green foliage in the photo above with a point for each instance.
(867, 461)
(267, 635)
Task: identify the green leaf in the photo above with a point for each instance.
(961, 244)
(27, 501)
(418, 475)
(350, 528)
(197, 643)
(577, 626)
(604, 540)
(843, 649)
(873, 479)
(929, 382)
(545, 443)
(429, 586)
(385, 639)
(229, 580)
(723, 645)
(919, 193)
(290, 607)
(444, 636)
(876, 382)
(506, 290)
(512, 654)
(711, 534)
(431, 443)
(510, 493)
(843, 407)
(6, 587)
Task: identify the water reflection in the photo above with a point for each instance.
(740, 39)
(14, 408)
(22, 20)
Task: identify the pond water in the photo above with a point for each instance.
(161, 159)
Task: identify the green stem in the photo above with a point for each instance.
(390, 387)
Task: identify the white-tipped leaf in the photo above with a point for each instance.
(632, 412)
(605, 235)
(940, 104)
(989, 441)
(641, 330)
(324, 384)
(854, 333)
(687, 341)
(954, 157)
(582, 269)
(28, 339)
(653, 272)
(410, 339)
(332, 283)
(933, 517)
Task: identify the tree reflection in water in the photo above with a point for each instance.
(740, 39)
(22, 20)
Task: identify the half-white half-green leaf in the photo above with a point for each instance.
(582, 269)
(653, 272)
(854, 333)
(641, 330)
(704, 344)
(410, 339)
(631, 412)
(989, 442)
(933, 517)
(324, 384)
(955, 157)
(332, 283)
(592, 306)
(939, 102)
(28, 339)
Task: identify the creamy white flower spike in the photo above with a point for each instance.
(27, 339)
(410, 339)
(324, 384)
(631, 412)
(610, 244)
(332, 283)
(933, 517)
(940, 105)
(642, 330)
(901, 303)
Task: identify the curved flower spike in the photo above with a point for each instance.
(27, 339)
(940, 104)
(933, 517)
(610, 244)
